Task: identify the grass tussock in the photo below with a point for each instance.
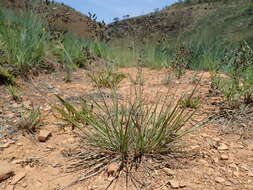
(127, 132)
(106, 78)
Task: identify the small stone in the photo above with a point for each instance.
(217, 139)
(182, 184)
(222, 147)
(19, 144)
(194, 147)
(50, 87)
(174, 184)
(5, 171)
(233, 165)
(5, 145)
(112, 169)
(24, 185)
(219, 180)
(224, 157)
(43, 136)
(236, 173)
(169, 171)
(216, 160)
(18, 178)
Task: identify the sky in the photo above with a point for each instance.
(108, 9)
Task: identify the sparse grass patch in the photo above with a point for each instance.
(106, 78)
(190, 102)
(13, 91)
(30, 121)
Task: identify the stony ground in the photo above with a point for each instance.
(220, 160)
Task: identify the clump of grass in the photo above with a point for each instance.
(6, 78)
(30, 121)
(13, 91)
(239, 85)
(190, 102)
(24, 40)
(129, 131)
(180, 61)
(106, 78)
(71, 51)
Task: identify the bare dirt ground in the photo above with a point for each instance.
(219, 161)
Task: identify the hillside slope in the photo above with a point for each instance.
(59, 16)
(184, 19)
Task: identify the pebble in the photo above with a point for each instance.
(222, 147)
(224, 157)
(169, 171)
(174, 184)
(5, 145)
(19, 144)
(219, 180)
(236, 173)
(43, 135)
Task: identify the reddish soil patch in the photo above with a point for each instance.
(221, 162)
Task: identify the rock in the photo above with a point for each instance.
(182, 184)
(174, 184)
(43, 136)
(233, 165)
(219, 180)
(236, 173)
(50, 87)
(196, 147)
(18, 178)
(5, 171)
(224, 157)
(169, 171)
(5, 145)
(222, 147)
(19, 144)
(24, 185)
(217, 139)
(112, 169)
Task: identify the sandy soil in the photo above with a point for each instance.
(221, 161)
